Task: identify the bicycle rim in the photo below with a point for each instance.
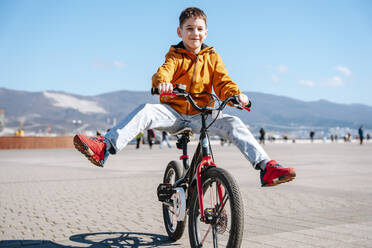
(227, 228)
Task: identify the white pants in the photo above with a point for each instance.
(164, 118)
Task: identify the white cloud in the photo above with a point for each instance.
(307, 83)
(118, 64)
(278, 70)
(282, 68)
(346, 71)
(335, 81)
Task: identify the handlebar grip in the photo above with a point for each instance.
(236, 101)
(154, 91)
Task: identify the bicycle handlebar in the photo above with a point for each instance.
(180, 91)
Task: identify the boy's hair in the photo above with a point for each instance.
(192, 12)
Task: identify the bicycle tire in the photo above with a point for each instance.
(233, 208)
(175, 231)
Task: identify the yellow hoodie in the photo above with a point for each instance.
(198, 72)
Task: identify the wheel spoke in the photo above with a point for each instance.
(206, 234)
(220, 207)
(212, 199)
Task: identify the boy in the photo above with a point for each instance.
(201, 69)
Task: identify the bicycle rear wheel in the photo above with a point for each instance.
(173, 227)
(226, 227)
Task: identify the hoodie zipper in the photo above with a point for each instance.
(192, 82)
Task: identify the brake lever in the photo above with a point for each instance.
(236, 103)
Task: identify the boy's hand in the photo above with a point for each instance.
(165, 88)
(243, 99)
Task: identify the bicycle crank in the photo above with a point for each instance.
(173, 197)
(179, 203)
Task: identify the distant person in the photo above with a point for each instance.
(222, 141)
(20, 132)
(367, 136)
(347, 137)
(150, 137)
(139, 137)
(332, 138)
(262, 135)
(361, 135)
(200, 68)
(312, 134)
(164, 138)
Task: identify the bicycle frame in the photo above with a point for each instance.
(203, 158)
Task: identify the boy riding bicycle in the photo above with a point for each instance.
(200, 68)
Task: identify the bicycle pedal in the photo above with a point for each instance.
(165, 191)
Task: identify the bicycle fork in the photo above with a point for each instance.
(207, 161)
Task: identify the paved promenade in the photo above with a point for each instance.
(55, 198)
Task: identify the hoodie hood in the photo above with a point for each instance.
(180, 48)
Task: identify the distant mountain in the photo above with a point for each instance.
(64, 113)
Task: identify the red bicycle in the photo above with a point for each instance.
(208, 194)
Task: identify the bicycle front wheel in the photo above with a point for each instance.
(224, 208)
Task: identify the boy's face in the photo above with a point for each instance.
(193, 32)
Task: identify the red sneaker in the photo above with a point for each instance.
(93, 148)
(275, 174)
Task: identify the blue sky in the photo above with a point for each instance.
(307, 50)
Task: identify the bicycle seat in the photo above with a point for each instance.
(185, 130)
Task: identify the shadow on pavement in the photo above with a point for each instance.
(98, 240)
